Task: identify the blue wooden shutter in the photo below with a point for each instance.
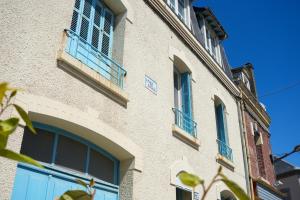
(221, 123)
(186, 94)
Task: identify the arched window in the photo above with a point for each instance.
(183, 108)
(227, 195)
(221, 124)
(55, 147)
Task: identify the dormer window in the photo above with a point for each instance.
(212, 44)
(211, 32)
(180, 8)
(246, 81)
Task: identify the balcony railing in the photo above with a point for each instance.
(94, 59)
(184, 122)
(225, 150)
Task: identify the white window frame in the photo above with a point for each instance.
(179, 97)
(186, 10)
(246, 81)
(252, 128)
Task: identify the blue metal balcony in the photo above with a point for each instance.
(94, 59)
(225, 150)
(185, 122)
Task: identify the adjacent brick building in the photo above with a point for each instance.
(256, 123)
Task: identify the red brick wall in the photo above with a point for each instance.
(256, 160)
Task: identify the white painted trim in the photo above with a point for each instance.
(180, 166)
(174, 52)
(121, 6)
(185, 137)
(51, 112)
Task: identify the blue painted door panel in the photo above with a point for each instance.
(44, 184)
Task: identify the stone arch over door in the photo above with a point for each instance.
(53, 113)
(86, 125)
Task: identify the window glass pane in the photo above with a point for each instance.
(214, 47)
(181, 9)
(74, 21)
(97, 16)
(176, 89)
(84, 28)
(95, 37)
(208, 39)
(71, 154)
(105, 44)
(101, 167)
(183, 194)
(107, 22)
(172, 4)
(38, 146)
(87, 8)
(77, 4)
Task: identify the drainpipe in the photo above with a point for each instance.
(244, 147)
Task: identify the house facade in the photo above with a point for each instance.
(130, 93)
(288, 177)
(256, 123)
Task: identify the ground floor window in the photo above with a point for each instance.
(183, 194)
(62, 149)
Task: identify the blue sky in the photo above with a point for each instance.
(266, 33)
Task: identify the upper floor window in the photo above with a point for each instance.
(91, 39)
(180, 7)
(246, 81)
(221, 123)
(183, 102)
(212, 44)
(211, 33)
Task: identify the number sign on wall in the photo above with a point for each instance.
(150, 84)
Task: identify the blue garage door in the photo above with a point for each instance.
(65, 158)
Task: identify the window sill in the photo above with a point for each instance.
(83, 72)
(185, 137)
(225, 162)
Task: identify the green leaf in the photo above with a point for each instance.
(3, 141)
(13, 93)
(235, 188)
(75, 195)
(80, 182)
(190, 179)
(8, 126)
(18, 157)
(25, 118)
(3, 89)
